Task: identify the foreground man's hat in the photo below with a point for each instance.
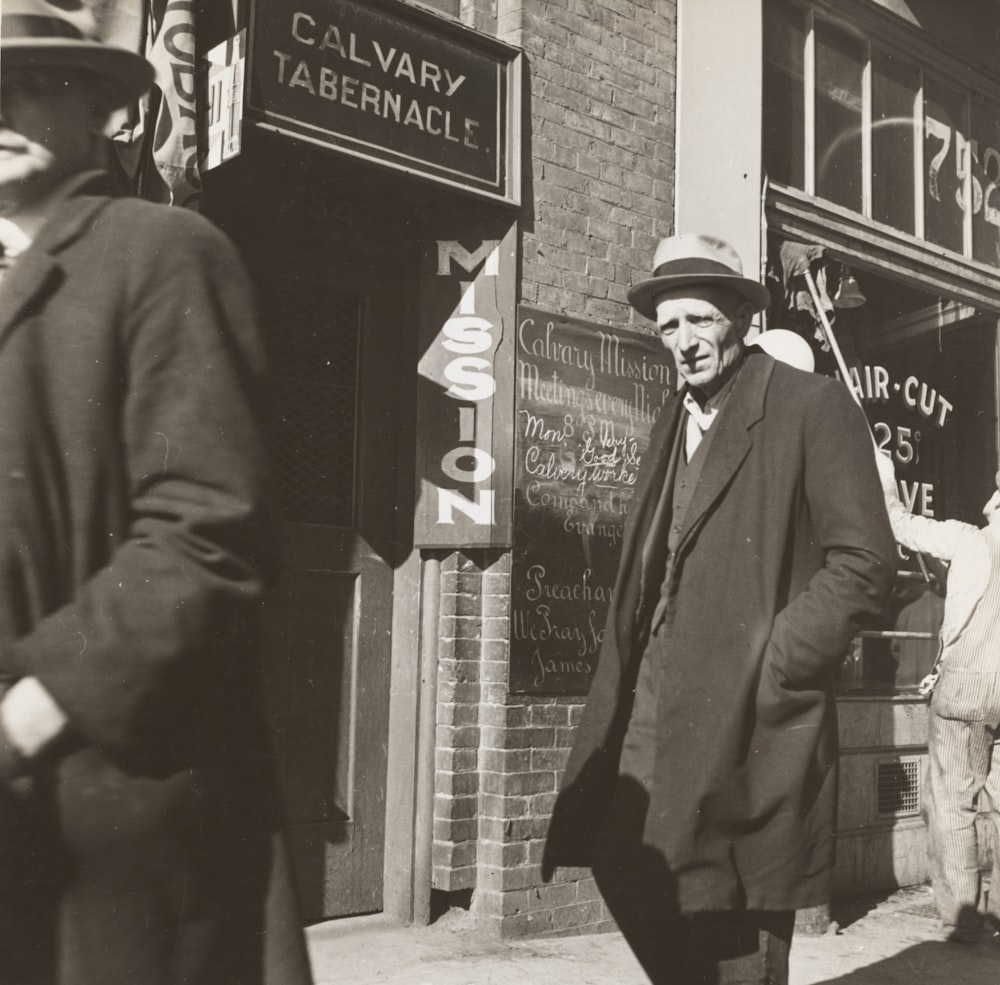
(688, 259)
(38, 34)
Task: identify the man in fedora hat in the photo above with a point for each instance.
(963, 725)
(138, 841)
(700, 787)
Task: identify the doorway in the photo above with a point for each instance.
(332, 280)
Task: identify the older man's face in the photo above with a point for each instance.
(703, 326)
(48, 125)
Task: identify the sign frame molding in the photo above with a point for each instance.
(509, 59)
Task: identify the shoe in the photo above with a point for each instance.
(961, 935)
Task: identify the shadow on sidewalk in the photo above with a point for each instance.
(930, 963)
(848, 911)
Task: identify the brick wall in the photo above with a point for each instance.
(598, 137)
(599, 190)
(472, 667)
(498, 762)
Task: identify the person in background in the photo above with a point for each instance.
(920, 610)
(701, 783)
(963, 729)
(138, 833)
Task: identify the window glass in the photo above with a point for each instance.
(783, 137)
(839, 73)
(894, 87)
(931, 404)
(923, 368)
(986, 181)
(450, 7)
(945, 150)
(961, 130)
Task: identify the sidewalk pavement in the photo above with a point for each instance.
(891, 941)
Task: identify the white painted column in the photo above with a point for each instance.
(718, 141)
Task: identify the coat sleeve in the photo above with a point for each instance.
(849, 525)
(945, 539)
(139, 657)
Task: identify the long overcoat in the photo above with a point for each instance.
(133, 537)
(784, 555)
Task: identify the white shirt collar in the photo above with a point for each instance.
(13, 239)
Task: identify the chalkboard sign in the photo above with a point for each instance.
(585, 399)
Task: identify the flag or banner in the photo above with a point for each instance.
(175, 130)
(123, 23)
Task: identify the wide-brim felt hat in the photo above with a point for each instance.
(688, 259)
(39, 34)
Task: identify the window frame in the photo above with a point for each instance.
(910, 257)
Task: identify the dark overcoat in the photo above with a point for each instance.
(784, 555)
(133, 537)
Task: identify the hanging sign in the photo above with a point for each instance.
(224, 114)
(392, 84)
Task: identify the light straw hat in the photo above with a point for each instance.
(689, 259)
(39, 34)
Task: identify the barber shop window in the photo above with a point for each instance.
(882, 160)
(924, 370)
(871, 129)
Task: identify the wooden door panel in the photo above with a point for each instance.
(315, 782)
(329, 723)
(328, 624)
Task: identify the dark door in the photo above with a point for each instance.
(336, 371)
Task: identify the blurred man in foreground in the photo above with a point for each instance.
(137, 821)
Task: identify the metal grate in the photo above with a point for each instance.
(313, 335)
(897, 788)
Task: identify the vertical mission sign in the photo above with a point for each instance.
(464, 389)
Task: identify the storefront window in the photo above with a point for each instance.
(945, 165)
(838, 94)
(869, 128)
(882, 162)
(986, 181)
(893, 85)
(924, 370)
(783, 117)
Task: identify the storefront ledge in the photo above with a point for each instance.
(877, 859)
(869, 720)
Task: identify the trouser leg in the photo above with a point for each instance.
(959, 755)
(638, 887)
(740, 948)
(731, 948)
(993, 791)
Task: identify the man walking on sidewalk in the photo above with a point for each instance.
(701, 783)
(963, 737)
